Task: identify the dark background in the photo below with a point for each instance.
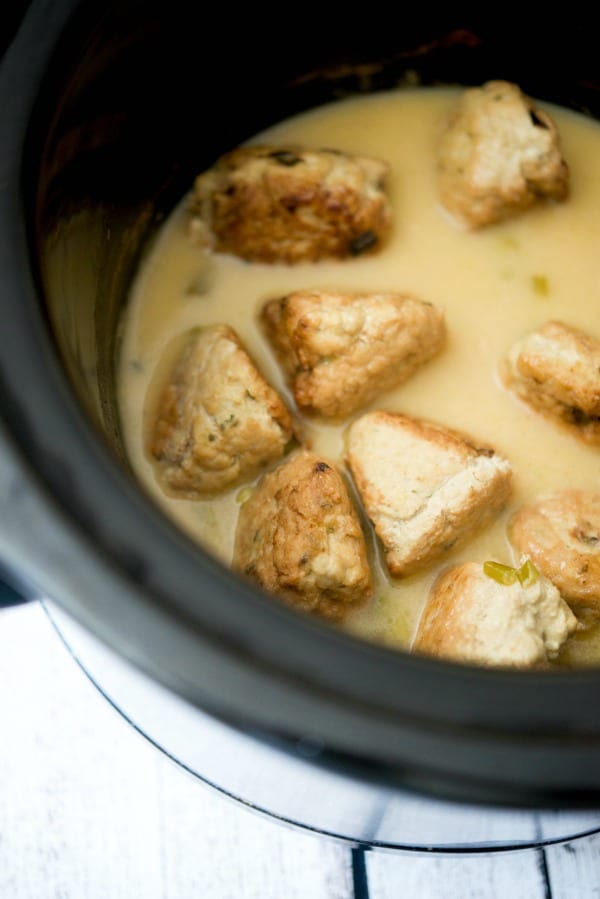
(11, 14)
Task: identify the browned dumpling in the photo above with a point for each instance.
(218, 420)
(556, 370)
(561, 534)
(423, 486)
(269, 204)
(341, 350)
(299, 537)
(471, 617)
(498, 155)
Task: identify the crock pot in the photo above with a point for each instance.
(108, 111)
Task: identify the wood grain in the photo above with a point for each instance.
(574, 869)
(455, 877)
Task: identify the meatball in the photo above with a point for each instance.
(299, 537)
(424, 487)
(218, 421)
(498, 155)
(287, 205)
(342, 350)
(470, 617)
(556, 370)
(561, 534)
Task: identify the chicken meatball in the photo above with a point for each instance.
(561, 534)
(218, 421)
(472, 617)
(499, 155)
(556, 370)
(424, 486)
(269, 204)
(299, 537)
(341, 350)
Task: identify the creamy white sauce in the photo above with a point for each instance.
(490, 284)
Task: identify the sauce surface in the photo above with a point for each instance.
(494, 285)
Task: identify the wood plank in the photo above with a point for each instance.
(78, 798)
(215, 847)
(456, 876)
(89, 809)
(574, 869)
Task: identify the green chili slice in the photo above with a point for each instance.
(527, 573)
(502, 574)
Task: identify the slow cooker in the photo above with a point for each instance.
(109, 109)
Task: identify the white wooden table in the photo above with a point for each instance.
(90, 810)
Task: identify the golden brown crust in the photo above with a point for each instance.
(470, 617)
(424, 487)
(561, 534)
(341, 350)
(498, 155)
(556, 370)
(446, 627)
(269, 204)
(218, 420)
(299, 537)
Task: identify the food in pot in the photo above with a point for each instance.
(473, 616)
(286, 204)
(556, 370)
(499, 154)
(423, 486)
(561, 534)
(299, 536)
(342, 350)
(218, 420)
(492, 288)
